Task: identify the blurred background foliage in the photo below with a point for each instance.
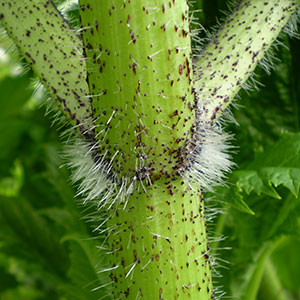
(48, 248)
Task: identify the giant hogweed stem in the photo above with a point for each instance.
(233, 53)
(161, 244)
(53, 51)
(140, 72)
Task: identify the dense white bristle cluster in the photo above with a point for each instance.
(209, 159)
(207, 162)
(90, 173)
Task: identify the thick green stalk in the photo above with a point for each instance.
(53, 51)
(239, 45)
(140, 71)
(160, 245)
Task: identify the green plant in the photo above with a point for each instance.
(156, 154)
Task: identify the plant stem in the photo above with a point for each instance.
(271, 287)
(53, 51)
(140, 71)
(162, 245)
(232, 55)
(141, 96)
(258, 271)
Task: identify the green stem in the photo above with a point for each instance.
(162, 245)
(232, 55)
(53, 51)
(271, 287)
(258, 271)
(140, 72)
(141, 95)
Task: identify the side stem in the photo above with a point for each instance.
(238, 47)
(53, 51)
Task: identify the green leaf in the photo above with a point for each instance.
(13, 122)
(284, 153)
(269, 184)
(29, 235)
(251, 181)
(278, 165)
(248, 181)
(240, 204)
(287, 260)
(288, 177)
